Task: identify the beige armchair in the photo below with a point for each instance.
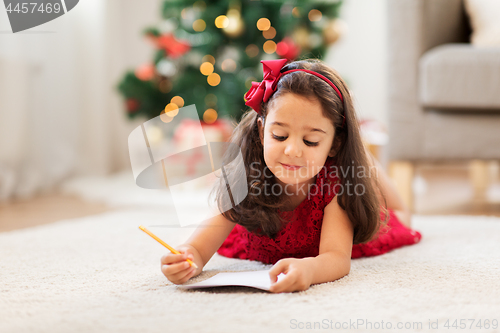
(443, 93)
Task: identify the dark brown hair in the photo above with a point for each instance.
(258, 212)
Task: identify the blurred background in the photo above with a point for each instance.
(73, 89)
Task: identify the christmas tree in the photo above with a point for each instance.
(208, 53)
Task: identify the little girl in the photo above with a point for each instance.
(314, 190)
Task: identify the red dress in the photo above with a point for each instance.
(300, 237)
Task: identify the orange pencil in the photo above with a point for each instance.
(174, 251)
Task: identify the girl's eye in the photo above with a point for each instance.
(309, 143)
(283, 138)
(279, 138)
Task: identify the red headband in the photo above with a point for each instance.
(262, 91)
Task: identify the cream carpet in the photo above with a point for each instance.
(102, 274)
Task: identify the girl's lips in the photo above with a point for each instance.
(290, 167)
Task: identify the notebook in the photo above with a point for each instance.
(253, 279)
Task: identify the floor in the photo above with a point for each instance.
(446, 190)
(439, 190)
(45, 209)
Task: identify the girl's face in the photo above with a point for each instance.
(297, 138)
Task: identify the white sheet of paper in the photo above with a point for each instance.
(254, 279)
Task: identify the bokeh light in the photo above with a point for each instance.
(199, 25)
(213, 79)
(252, 50)
(314, 15)
(269, 47)
(263, 24)
(177, 100)
(228, 65)
(165, 86)
(201, 5)
(210, 116)
(221, 21)
(171, 110)
(210, 100)
(206, 68)
(208, 58)
(269, 33)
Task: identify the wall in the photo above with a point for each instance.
(360, 55)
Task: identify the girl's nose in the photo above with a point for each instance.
(293, 149)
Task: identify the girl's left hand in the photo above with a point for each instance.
(298, 275)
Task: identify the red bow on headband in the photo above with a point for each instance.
(262, 91)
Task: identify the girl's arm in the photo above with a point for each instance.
(335, 246)
(333, 261)
(200, 247)
(209, 236)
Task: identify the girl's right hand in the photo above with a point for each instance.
(177, 269)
